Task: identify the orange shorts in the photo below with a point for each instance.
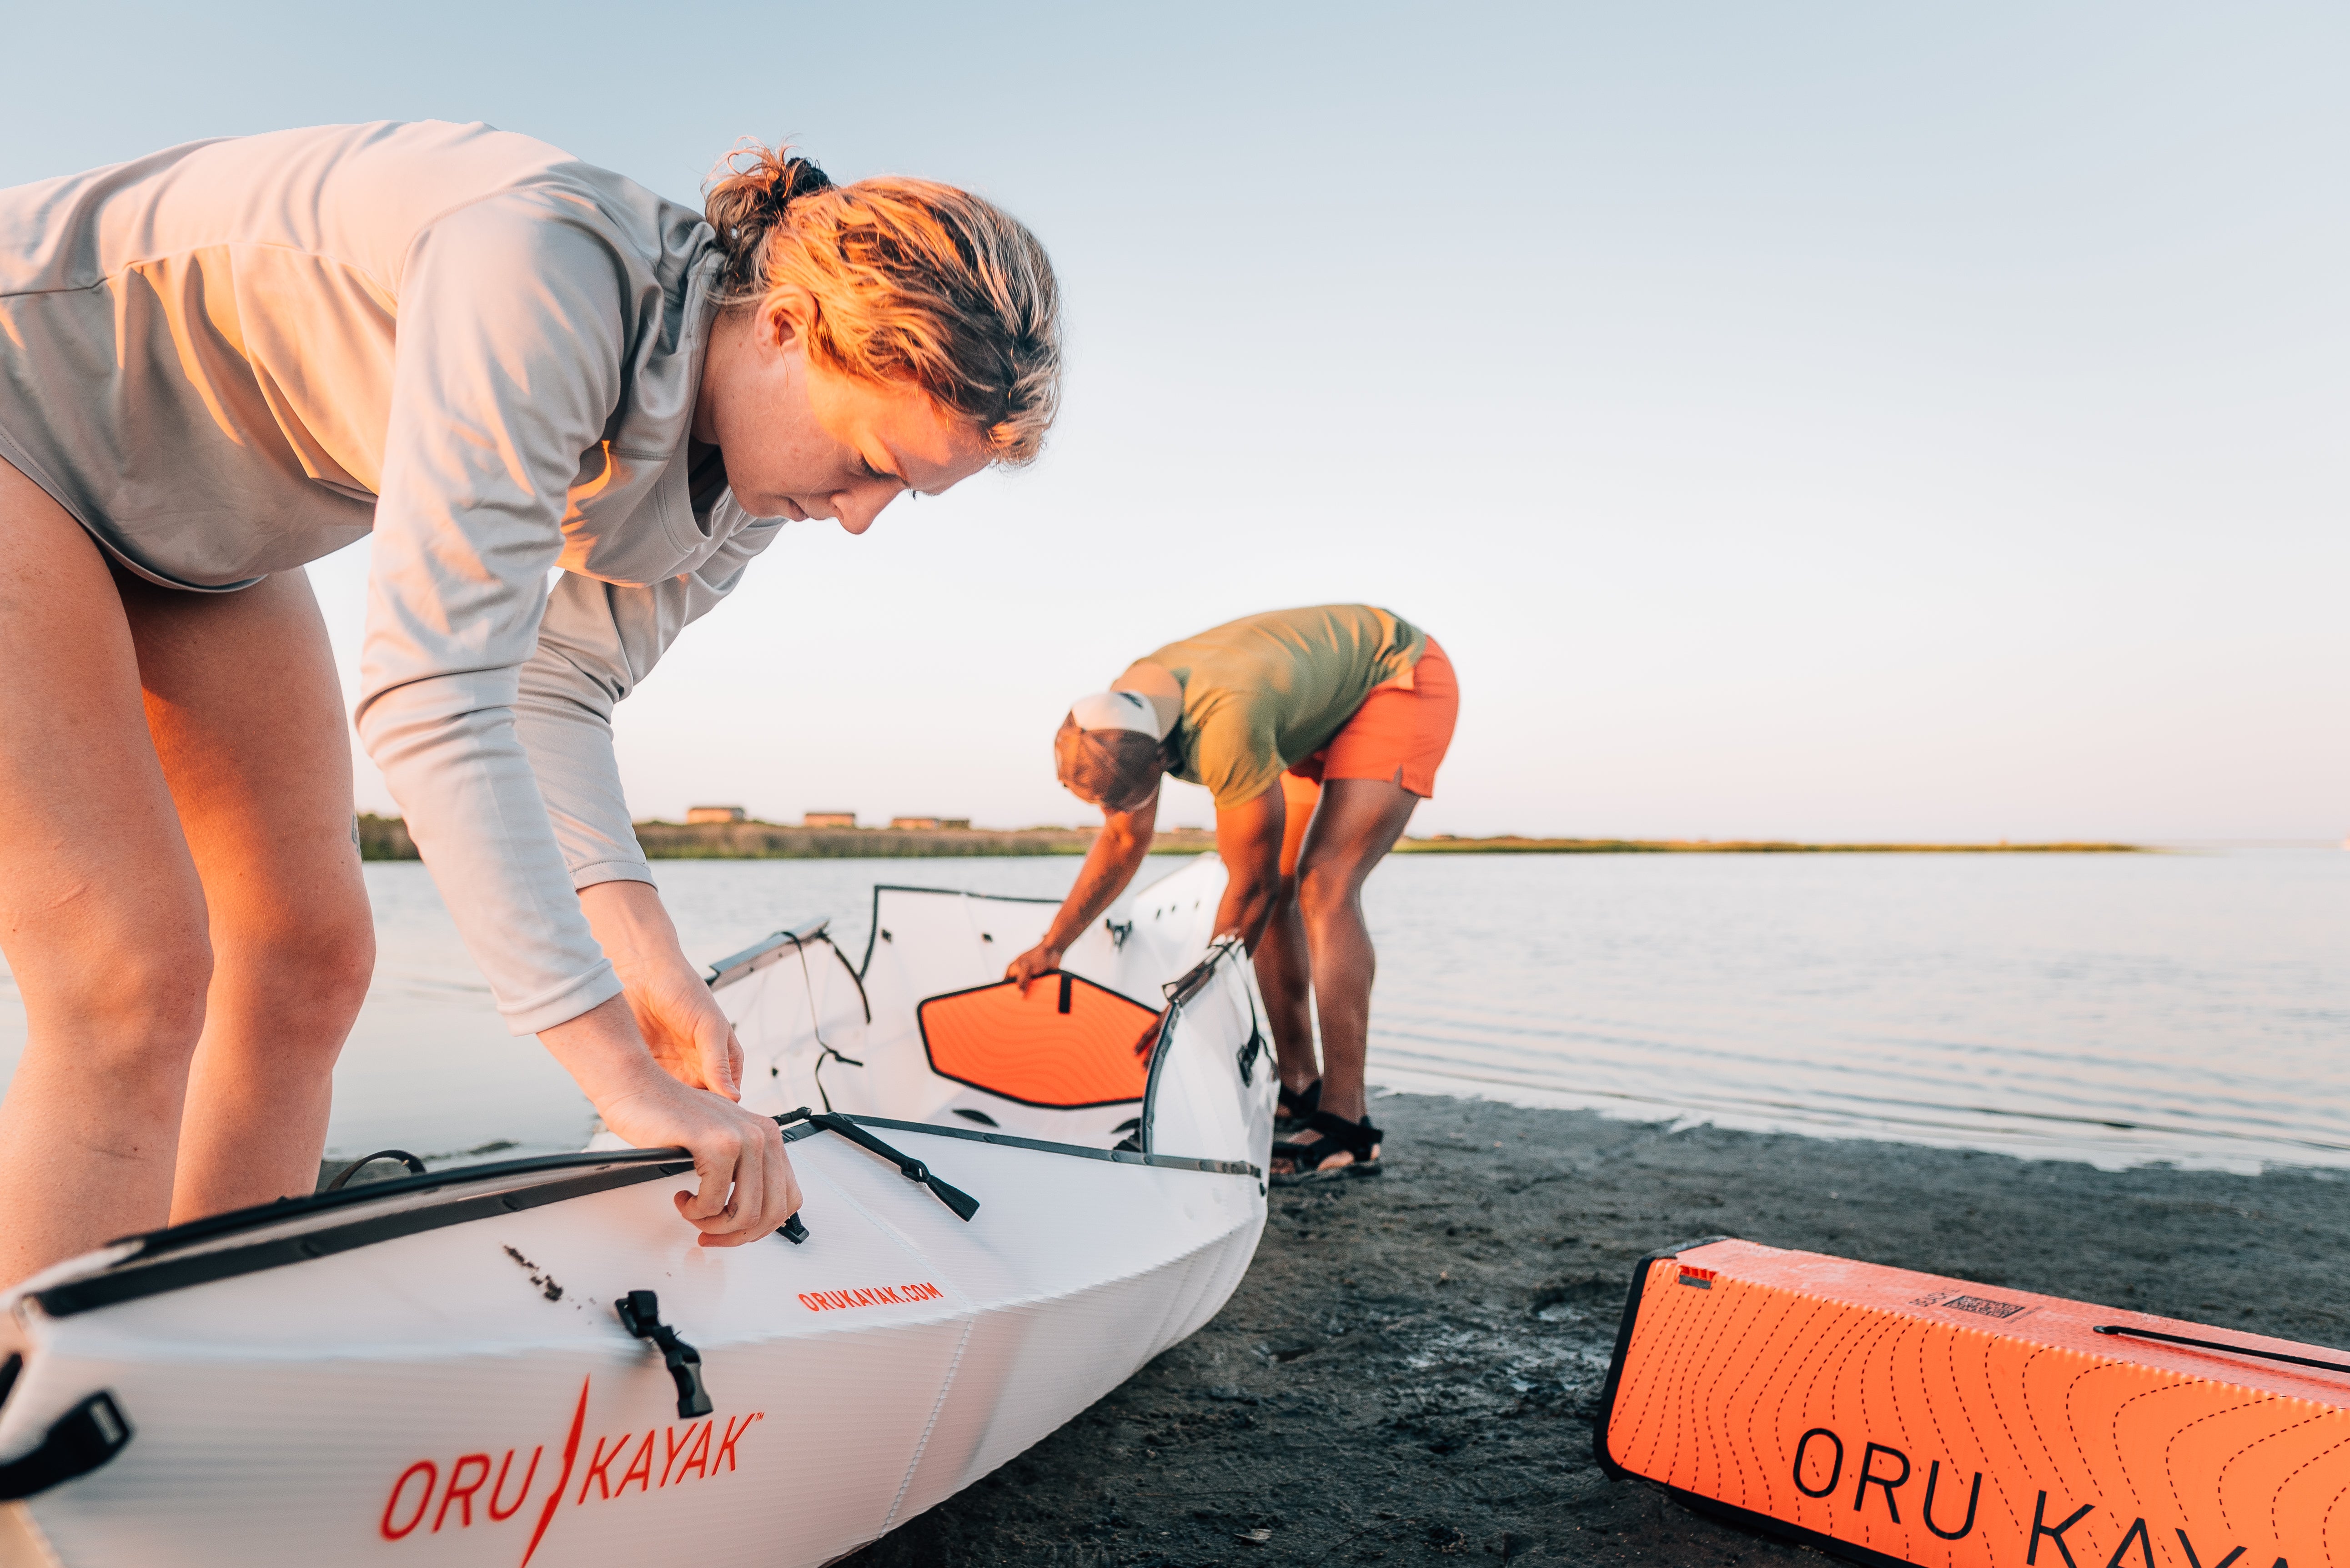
(1399, 733)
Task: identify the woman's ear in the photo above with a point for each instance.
(783, 317)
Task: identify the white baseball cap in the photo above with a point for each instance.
(1119, 711)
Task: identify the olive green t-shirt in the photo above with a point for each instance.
(1266, 690)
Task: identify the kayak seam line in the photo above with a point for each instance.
(972, 1310)
(922, 1445)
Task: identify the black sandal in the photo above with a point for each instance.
(1290, 1114)
(1339, 1135)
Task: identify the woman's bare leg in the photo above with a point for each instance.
(246, 715)
(1359, 821)
(101, 913)
(1285, 966)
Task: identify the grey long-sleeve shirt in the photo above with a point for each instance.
(233, 357)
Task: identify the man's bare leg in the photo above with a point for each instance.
(1284, 965)
(1359, 822)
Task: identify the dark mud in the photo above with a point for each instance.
(1410, 1371)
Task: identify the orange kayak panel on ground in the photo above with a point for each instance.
(1892, 1416)
(1067, 1044)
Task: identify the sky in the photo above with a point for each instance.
(1839, 421)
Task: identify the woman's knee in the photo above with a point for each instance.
(313, 961)
(340, 961)
(136, 1008)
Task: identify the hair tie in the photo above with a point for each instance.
(795, 178)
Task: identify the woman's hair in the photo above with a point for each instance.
(1118, 770)
(911, 280)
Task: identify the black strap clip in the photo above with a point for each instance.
(1248, 1054)
(641, 1315)
(962, 1203)
(81, 1440)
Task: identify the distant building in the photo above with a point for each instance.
(961, 822)
(715, 814)
(917, 823)
(829, 819)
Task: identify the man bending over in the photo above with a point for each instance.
(1316, 731)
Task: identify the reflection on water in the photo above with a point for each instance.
(2186, 1007)
(2115, 1008)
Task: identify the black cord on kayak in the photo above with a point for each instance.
(825, 1047)
(1192, 981)
(415, 1166)
(2218, 1344)
(962, 1203)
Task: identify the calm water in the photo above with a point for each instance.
(2190, 1007)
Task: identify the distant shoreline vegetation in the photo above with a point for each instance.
(1510, 844)
(385, 838)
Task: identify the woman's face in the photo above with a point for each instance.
(801, 439)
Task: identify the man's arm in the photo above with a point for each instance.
(1115, 856)
(1248, 839)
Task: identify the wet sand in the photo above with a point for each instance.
(1410, 1371)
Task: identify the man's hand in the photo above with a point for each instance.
(1041, 960)
(1110, 864)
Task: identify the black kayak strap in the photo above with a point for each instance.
(2220, 1344)
(81, 1440)
(962, 1203)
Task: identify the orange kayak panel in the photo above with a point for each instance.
(1067, 1045)
(1900, 1417)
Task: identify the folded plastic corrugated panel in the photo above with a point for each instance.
(1891, 1416)
(1067, 1044)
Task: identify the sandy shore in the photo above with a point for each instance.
(1409, 1370)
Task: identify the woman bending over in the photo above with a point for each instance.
(232, 358)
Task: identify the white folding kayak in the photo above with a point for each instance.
(1012, 1202)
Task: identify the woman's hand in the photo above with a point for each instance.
(682, 1027)
(675, 1014)
(745, 1187)
(1041, 960)
(660, 1061)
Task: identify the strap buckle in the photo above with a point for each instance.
(641, 1315)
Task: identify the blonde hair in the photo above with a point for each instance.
(910, 280)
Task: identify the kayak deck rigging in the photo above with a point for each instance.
(338, 1375)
